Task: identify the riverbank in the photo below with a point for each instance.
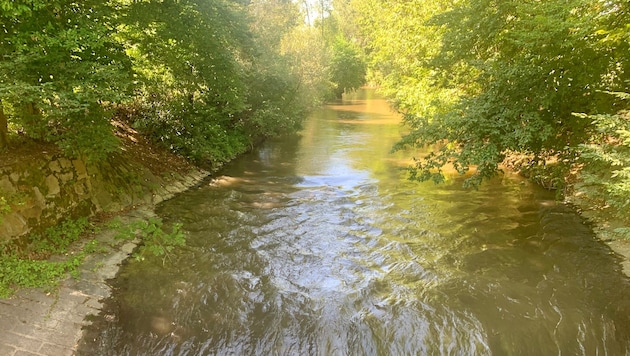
(36, 322)
(40, 188)
(596, 211)
(43, 323)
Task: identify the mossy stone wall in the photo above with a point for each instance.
(41, 192)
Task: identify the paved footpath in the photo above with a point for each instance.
(33, 322)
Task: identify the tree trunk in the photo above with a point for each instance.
(4, 128)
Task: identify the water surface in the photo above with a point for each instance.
(317, 244)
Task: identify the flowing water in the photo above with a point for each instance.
(317, 244)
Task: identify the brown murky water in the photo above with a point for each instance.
(318, 245)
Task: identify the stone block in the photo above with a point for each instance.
(52, 349)
(80, 169)
(64, 178)
(13, 224)
(65, 163)
(6, 186)
(55, 166)
(25, 343)
(53, 186)
(40, 200)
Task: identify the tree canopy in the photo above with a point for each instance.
(61, 70)
(483, 78)
(206, 78)
(476, 80)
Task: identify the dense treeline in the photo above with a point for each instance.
(206, 78)
(482, 80)
(477, 80)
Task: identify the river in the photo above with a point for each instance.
(317, 244)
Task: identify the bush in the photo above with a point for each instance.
(605, 177)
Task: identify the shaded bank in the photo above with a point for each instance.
(41, 187)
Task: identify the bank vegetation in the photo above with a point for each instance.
(203, 79)
(543, 84)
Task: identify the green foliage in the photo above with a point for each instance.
(186, 73)
(195, 131)
(56, 239)
(29, 268)
(478, 79)
(16, 272)
(277, 105)
(155, 241)
(347, 67)
(524, 92)
(61, 70)
(210, 86)
(195, 46)
(605, 177)
(20, 269)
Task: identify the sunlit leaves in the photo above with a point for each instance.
(60, 70)
(347, 66)
(486, 77)
(606, 158)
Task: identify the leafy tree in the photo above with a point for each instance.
(479, 79)
(187, 56)
(61, 71)
(604, 179)
(347, 67)
(606, 157)
(207, 78)
(308, 55)
(276, 101)
(402, 67)
(271, 20)
(212, 78)
(531, 64)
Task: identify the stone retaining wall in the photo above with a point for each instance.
(43, 191)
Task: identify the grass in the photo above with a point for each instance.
(44, 260)
(29, 264)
